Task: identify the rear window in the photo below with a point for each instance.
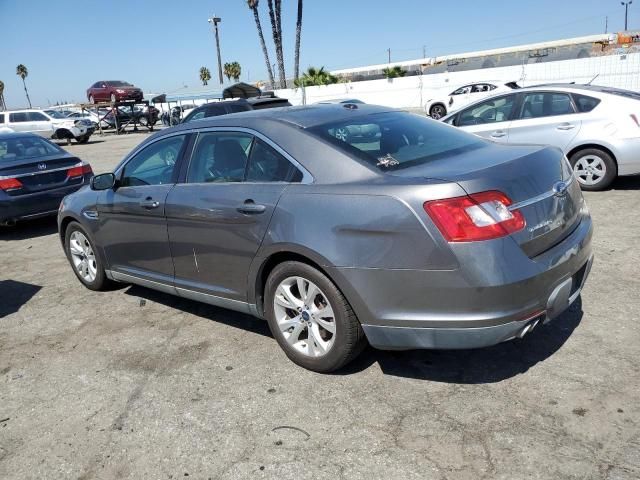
(396, 140)
(18, 148)
(584, 103)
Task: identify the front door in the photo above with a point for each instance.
(133, 227)
(218, 217)
(490, 119)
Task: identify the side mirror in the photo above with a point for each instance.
(104, 181)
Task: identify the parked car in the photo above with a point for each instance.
(598, 128)
(428, 237)
(113, 91)
(34, 176)
(143, 115)
(93, 117)
(215, 109)
(88, 120)
(438, 106)
(50, 125)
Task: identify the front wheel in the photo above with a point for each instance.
(437, 111)
(83, 139)
(113, 98)
(310, 318)
(594, 169)
(82, 256)
(91, 99)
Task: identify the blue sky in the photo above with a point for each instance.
(160, 45)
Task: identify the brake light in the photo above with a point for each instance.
(79, 170)
(8, 184)
(481, 216)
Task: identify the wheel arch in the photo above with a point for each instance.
(596, 146)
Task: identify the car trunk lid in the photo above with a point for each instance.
(41, 173)
(536, 179)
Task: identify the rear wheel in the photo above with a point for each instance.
(91, 99)
(113, 98)
(437, 111)
(82, 256)
(594, 169)
(310, 318)
(84, 139)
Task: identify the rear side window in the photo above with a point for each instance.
(219, 157)
(267, 165)
(36, 117)
(546, 104)
(1, 117)
(396, 140)
(18, 117)
(584, 103)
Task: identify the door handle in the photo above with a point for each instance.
(565, 126)
(249, 207)
(149, 203)
(498, 134)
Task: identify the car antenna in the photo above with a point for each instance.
(589, 82)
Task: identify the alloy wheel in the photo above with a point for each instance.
(437, 112)
(304, 316)
(82, 255)
(590, 170)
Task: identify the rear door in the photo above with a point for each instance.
(490, 119)
(133, 228)
(40, 124)
(218, 217)
(546, 118)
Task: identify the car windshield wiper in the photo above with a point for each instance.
(387, 161)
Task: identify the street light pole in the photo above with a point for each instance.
(216, 20)
(626, 12)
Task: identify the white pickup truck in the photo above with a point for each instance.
(47, 125)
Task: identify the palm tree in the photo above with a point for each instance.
(253, 5)
(314, 76)
(393, 72)
(232, 70)
(205, 75)
(296, 62)
(3, 106)
(276, 30)
(23, 73)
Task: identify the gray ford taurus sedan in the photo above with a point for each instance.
(415, 235)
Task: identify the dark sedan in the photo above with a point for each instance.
(418, 235)
(35, 174)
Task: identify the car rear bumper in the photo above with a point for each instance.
(408, 309)
(34, 205)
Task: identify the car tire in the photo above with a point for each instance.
(79, 247)
(594, 169)
(84, 139)
(91, 99)
(143, 120)
(113, 98)
(290, 325)
(437, 111)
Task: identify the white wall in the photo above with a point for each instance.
(622, 71)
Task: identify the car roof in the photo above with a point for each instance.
(301, 116)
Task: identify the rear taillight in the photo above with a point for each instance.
(79, 170)
(481, 216)
(7, 184)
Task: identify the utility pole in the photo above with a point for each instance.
(216, 20)
(389, 52)
(424, 51)
(606, 24)
(626, 13)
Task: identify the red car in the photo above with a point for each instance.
(113, 91)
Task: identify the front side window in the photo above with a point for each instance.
(267, 165)
(396, 140)
(462, 90)
(18, 117)
(155, 164)
(490, 111)
(38, 117)
(219, 157)
(545, 104)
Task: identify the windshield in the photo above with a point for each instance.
(395, 140)
(118, 83)
(19, 148)
(55, 114)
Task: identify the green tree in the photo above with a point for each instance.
(232, 70)
(23, 73)
(315, 76)
(253, 6)
(394, 72)
(296, 61)
(205, 75)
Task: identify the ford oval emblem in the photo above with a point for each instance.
(560, 189)
(42, 166)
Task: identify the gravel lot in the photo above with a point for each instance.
(138, 384)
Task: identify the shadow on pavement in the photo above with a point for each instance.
(203, 310)
(626, 183)
(486, 365)
(14, 294)
(30, 229)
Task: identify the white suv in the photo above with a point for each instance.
(441, 105)
(47, 125)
